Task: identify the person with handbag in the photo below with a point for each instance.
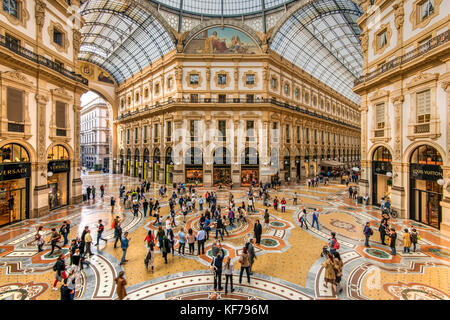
(217, 270)
(244, 260)
(414, 235)
(150, 257)
(39, 238)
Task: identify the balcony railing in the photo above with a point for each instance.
(417, 52)
(229, 101)
(30, 55)
(422, 128)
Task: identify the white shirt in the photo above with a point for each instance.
(168, 224)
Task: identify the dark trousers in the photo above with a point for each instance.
(258, 237)
(303, 221)
(181, 245)
(218, 279)
(191, 248)
(247, 270)
(201, 245)
(54, 245)
(382, 235)
(228, 277)
(115, 242)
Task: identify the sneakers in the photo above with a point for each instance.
(54, 288)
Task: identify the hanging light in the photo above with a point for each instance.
(389, 174)
(440, 182)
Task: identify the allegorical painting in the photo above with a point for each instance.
(104, 78)
(222, 41)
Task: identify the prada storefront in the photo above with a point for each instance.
(15, 174)
(426, 186)
(381, 174)
(58, 176)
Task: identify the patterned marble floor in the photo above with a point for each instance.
(288, 264)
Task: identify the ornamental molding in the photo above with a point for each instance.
(422, 78)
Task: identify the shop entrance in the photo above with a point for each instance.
(426, 186)
(194, 166)
(222, 167)
(381, 174)
(58, 175)
(249, 167)
(168, 176)
(156, 165)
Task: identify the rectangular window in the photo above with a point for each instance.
(58, 37)
(288, 135)
(194, 97)
(193, 79)
(128, 136)
(250, 124)
(286, 89)
(307, 135)
(382, 39)
(250, 98)
(426, 9)
(169, 131)
(145, 134)
(193, 129)
(315, 136)
(423, 103)
(222, 79)
(146, 93)
(274, 83)
(222, 130)
(275, 131)
(380, 115)
(60, 114)
(15, 105)
(157, 88)
(169, 83)
(298, 134)
(12, 42)
(222, 98)
(297, 94)
(155, 132)
(249, 79)
(11, 7)
(136, 135)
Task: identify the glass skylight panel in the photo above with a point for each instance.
(234, 7)
(175, 4)
(208, 7)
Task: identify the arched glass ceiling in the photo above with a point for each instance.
(222, 7)
(121, 37)
(322, 38)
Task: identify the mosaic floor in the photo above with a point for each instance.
(288, 264)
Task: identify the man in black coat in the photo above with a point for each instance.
(257, 229)
(65, 291)
(217, 266)
(117, 233)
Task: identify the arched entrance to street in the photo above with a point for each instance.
(221, 166)
(381, 174)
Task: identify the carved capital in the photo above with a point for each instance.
(399, 15)
(41, 99)
(39, 14)
(76, 40)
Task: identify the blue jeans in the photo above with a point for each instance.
(393, 251)
(145, 211)
(366, 243)
(201, 206)
(220, 232)
(317, 223)
(66, 241)
(406, 249)
(123, 255)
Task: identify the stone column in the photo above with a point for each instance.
(235, 165)
(445, 203)
(366, 171)
(40, 192)
(75, 170)
(399, 174)
(178, 168)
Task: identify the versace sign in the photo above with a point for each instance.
(59, 166)
(12, 171)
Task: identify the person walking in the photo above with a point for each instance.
(201, 238)
(124, 243)
(145, 206)
(102, 191)
(64, 231)
(66, 293)
(283, 205)
(39, 238)
(367, 233)
(339, 266)
(191, 241)
(93, 192)
(181, 241)
(216, 264)
(251, 253)
(171, 238)
(333, 244)
(228, 271)
(150, 257)
(257, 230)
(392, 239)
(112, 203)
(117, 233)
(54, 239)
(88, 243)
(266, 219)
(100, 229)
(303, 219)
(330, 275)
(60, 268)
(244, 260)
(120, 285)
(315, 219)
(414, 235)
(160, 235)
(406, 241)
(294, 200)
(219, 227)
(165, 248)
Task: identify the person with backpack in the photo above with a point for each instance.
(333, 244)
(315, 219)
(39, 238)
(216, 264)
(244, 260)
(414, 235)
(60, 268)
(54, 239)
(100, 229)
(150, 257)
(367, 233)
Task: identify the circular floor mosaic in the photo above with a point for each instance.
(268, 242)
(380, 254)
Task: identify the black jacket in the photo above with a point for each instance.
(117, 231)
(65, 293)
(257, 228)
(60, 266)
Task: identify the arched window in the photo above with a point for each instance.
(382, 154)
(169, 156)
(13, 152)
(156, 155)
(250, 156)
(426, 155)
(58, 152)
(194, 156)
(222, 156)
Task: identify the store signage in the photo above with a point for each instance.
(59, 166)
(381, 167)
(14, 171)
(425, 172)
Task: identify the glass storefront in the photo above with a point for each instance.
(168, 172)
(15, 174)
(426, 193)
(194, 176)
(381, 182)
(221, 175)
(249, 175)
(128, 164)
(193, 161)
(58, 175)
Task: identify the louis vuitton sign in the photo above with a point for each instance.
(425, 171)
